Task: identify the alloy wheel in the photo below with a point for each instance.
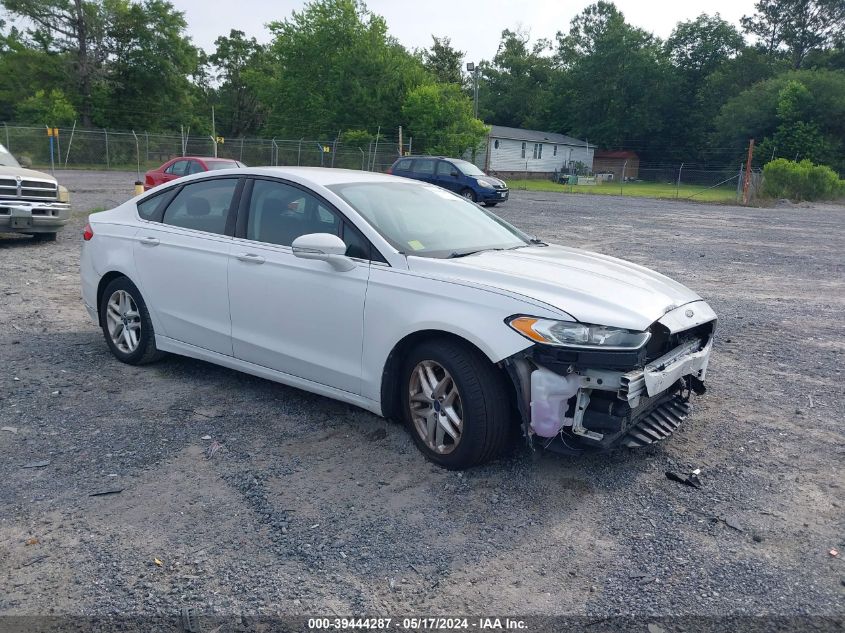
(123, 320)
(436, 408)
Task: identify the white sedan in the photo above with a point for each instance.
(401, 298)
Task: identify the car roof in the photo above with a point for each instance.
(324, 176)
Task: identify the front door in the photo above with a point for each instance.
(181, 265)
(444, 176)
(298, 316)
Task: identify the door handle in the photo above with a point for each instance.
(150, 241)
(251, 258)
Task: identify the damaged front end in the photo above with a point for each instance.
(577, 399)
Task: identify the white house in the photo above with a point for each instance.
(512, 152)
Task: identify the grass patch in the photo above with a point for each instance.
(634, 189)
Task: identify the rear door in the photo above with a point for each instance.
(181, 257)
(423, 169)
(298, 316)
(176, 170)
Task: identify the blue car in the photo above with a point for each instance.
(453, 174)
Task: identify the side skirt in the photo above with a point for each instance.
(166, 344)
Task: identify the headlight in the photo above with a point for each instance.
(64, 196)
(569, 334)
(484, 183)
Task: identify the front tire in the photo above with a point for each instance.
(455, 404)
(469, 194)
(126, 323)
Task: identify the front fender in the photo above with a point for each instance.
(400, 303)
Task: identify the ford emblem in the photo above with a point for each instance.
(689, 313)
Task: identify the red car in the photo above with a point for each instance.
(185, 166)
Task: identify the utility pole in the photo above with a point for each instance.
(401, 146)
(213, 132)
(747, 182)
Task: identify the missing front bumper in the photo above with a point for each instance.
(604, 409)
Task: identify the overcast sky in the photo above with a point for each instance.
(474, 26)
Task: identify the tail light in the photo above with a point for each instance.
(390, 169)
(87, 232)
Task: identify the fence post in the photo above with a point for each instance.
(108, 162)
(410, 144)
(362, 158)
(375, 152)
(146, 147)
(299, 153)
(622, 179)
(242, 150)
(334, 146)
(69, 143)
(678, 186)
(137, 157)
(6, 127)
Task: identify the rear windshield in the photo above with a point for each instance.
(222, 164)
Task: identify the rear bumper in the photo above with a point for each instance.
(20, 216)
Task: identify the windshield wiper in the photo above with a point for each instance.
(480, 250)
(537, 242)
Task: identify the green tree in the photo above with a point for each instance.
(25, 69)
(443, 61)
(333, 66)
(237, 61)
(46, 108)
(146, 79)
(697, 48)
(798, 25)
(615, 88)
(799, 112)
(440, 118)
(73, 27)
(514, 87)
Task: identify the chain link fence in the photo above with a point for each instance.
(75, 148)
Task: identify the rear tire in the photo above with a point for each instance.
(469, 194)
(126, 324)
(473, 402)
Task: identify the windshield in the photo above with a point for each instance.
(468, 168)
(7, 159)
(428, 221)
(222, 164)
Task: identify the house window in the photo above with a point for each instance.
(496, 143)
(523, 149)
(554, 151)
(538, 150)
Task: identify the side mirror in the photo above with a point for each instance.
(324, 247)
(455, 173)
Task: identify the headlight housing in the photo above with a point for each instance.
(64, 196)
(571, 334)
(484, 183)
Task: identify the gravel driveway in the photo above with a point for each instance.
(310, 506)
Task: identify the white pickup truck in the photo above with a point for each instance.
(31, 202)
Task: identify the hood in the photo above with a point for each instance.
(496, 182)
(8, 170)
(590, 287)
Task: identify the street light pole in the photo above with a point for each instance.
(471, 67)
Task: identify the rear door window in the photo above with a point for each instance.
(423, 167)
(403, 165)
(202, 206)
(178, 168)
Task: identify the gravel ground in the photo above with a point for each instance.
(315, 507)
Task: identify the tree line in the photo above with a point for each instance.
(333, 70)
